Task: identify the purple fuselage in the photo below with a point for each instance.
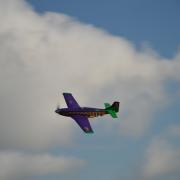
(84, 111)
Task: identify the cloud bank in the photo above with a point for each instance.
(16, 165)
(163, 155)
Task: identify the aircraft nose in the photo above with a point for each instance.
(57, 110)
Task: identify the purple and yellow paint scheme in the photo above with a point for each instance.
(81, 114)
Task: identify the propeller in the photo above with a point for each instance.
(58, 106)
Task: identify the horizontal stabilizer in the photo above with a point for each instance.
(112, 109)
(112, 113)
(107, 105)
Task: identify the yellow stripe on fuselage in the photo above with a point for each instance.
(90, 114)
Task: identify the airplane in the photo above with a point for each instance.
(81, 114)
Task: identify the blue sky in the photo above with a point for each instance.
(44, 54)
(156, 23)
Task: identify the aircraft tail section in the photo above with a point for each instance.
(112, 109)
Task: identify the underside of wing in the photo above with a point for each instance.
(70, 101)
(83, 122)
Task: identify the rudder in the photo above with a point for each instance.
(112, 109)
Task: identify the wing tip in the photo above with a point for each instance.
(89, 132)
(66, 93)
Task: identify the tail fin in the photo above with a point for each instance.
(112, 109)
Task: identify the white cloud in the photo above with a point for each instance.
(14, 165)
(162, 157)
(174, 130)
(43, 55)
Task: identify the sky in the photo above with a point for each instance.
(100, 51)
(138, 21)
